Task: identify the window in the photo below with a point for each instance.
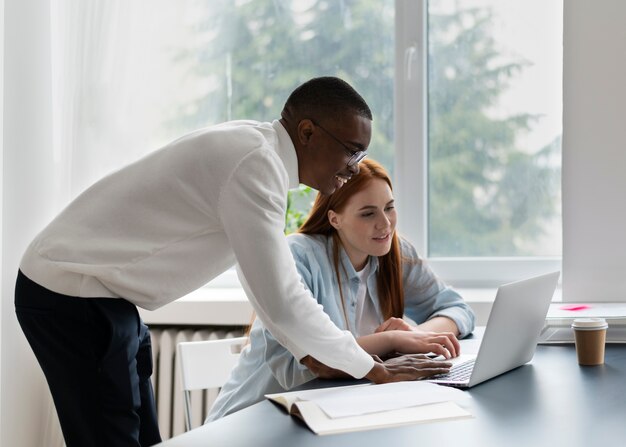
(481, 128)
(465, 96)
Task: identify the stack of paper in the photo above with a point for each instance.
(560, 316)
(369, 406)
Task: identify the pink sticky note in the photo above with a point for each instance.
(574, 307)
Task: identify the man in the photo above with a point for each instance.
(164, 226)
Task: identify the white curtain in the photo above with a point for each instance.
(51, 49)
(88, 87)
(120, 82)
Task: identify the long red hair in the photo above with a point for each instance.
(389, 279)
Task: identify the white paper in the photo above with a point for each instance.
(321, 424)
(603, 310)
(353, 401)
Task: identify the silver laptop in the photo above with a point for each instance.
(515, 322)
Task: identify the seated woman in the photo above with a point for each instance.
(366, 278)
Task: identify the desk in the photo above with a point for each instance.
(549, 402)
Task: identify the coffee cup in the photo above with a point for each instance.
(590, 334)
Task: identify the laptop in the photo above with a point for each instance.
(515, 323)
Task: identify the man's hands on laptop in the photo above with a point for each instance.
(410, 354)
(407, 367)
(395, 369)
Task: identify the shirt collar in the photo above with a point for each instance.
(287, 153)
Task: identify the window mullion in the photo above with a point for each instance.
(411, 165)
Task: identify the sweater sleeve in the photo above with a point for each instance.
(426, 296)
(286, 369)
(252, 209)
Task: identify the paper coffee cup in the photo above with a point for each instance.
(590, 334)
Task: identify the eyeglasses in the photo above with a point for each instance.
(355, 156)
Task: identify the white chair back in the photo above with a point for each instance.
(205, 365)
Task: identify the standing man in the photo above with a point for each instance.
(164, 226)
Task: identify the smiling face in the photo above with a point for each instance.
(327, 150)
(367, 222)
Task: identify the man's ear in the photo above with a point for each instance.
(334, 219)
(305, 131)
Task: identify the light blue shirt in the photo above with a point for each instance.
(266, 367)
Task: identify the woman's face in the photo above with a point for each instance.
(367, 223)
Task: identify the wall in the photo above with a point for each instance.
(1, 167)
(594, 151)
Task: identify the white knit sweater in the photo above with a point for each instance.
(170, 222)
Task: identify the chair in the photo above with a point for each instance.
(206, 364)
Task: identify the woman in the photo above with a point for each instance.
(366, 278)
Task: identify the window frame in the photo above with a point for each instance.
(411, 162)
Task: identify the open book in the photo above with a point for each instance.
(365, 407)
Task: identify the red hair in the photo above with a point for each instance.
(389, 279)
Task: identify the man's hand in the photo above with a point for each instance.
(396, 369)
(407, 367)
(322, 371)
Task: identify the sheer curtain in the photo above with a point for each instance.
(89, 86)
(119, 80)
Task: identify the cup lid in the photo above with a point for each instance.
(589, 323)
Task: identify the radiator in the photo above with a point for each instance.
(166, 376)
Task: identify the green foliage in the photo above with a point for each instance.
(299, 202)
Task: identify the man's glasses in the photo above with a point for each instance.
(355, 156)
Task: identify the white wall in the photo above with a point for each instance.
(1, 164)
(594, 151)
(29, 201)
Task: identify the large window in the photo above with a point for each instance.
(479, 135)
(466, 99)
(494, 128)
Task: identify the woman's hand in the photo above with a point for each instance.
(409, 339)
(415, 341)
(394, 324)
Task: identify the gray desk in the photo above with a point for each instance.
(548, 402)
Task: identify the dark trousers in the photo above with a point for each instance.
(97, 359)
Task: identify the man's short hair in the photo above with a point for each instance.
(325, 96)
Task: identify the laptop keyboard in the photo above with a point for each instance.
(459, 372)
